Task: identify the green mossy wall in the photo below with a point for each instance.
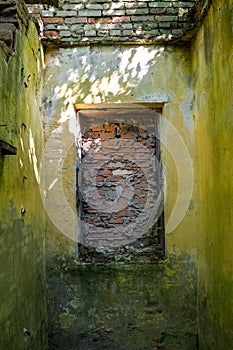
(212, 58)
(22, 274)
(120, 306)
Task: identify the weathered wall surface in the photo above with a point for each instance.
(126, 74)
(101, 21)
(22, 278)
(117, 74)
(213, 75)
(122, 306)
(94, 305)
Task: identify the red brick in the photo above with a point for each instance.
(141, 185)
(104, 20)
(48, 20)
(138, 191)
(105, 172)
(97, 128)
(118, 157)
(125, 213)
(91, 20)
(99, 178)
(95, 135)
(127, 136)
(121, 19)
(128, 150)
(116, 221)
(110, 127)
(108, 135)
(132, 165)
(114, 178)
(148, 143)
(123, 200)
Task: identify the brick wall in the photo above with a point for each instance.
(13, 16)
(94, 21)
(118, 183)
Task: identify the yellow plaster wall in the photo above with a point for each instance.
(22, 277)
(212, 65)
(107, 75)
(123, 74)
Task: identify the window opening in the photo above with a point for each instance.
(119, 182)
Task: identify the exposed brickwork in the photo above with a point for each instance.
(14, 16)
(99, 21)
(199, 11)
(80, 21)
(119, 184)
(36, 13)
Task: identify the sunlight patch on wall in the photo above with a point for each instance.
(113, 75)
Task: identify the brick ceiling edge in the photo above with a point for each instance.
(197, 16)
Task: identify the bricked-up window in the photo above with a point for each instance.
(120, 184)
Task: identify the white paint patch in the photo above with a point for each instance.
(186, 108)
